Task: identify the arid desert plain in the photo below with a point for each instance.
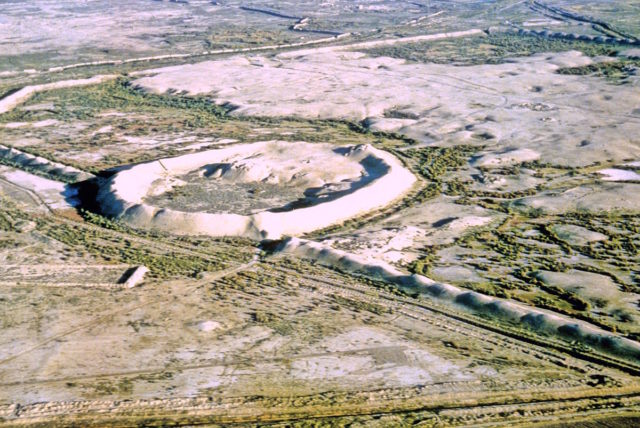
(363, 213)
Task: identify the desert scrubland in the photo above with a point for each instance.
(370, 213)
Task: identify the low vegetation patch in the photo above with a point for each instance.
(615, 71)
(491, 49)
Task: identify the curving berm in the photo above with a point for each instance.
(327, 184)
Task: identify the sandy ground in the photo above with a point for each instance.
(614, 174)
(593, 197)
(56, 195)
(600, 289)
(577, 234)
(570, 120)
(399, 238)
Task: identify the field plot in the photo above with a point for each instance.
(376, 349)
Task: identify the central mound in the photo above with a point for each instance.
(279, 176)
(260, 190)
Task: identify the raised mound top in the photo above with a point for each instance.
(292, 164)
(259, 190)
(275, 175)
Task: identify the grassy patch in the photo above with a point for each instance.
(490, 49)
(433, 163)
(615, 71)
